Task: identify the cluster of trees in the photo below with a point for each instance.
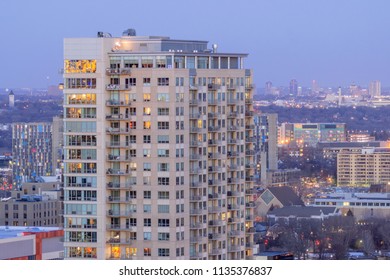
(334, 236)
(311, 164)
(27, 109)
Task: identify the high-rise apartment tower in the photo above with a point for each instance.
(158, 149)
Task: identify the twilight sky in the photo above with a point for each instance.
(336, 42)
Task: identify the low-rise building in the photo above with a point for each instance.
(359, 205)
(34, 204)
(31, 243)
(295, 213)
(276, 197)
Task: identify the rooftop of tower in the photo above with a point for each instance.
(130, 42)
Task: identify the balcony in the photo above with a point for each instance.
(214, 102)
(214, 236)
(123, 257)
(232, 101)
(250, 191)
(215, 252)
(234, 220)
(232, 115)
(233, 180)
(197, 211)
(195, 116)
(213, 142)
(120, 144)
(232, 154)
(232, 128)
(117, 130)
(195, 198)
(214, 128)
(113, 102)
(215, 223)
(118, 158)
(235, 233)
(214, 155)
(213, 86)
(233, 207)
(250, 139)
(215, 209)
(195, 184)
(119, 241)
(249, 127)
(114, 199)
(113, 185)
(249, 114)
(194, 170)
(214, 168)
(119, 117)
(197, 256)
(249, 218)
(195, 144)
(231, 87)
(250, 230)
(213, 115)
(195, 157)
(197, 225)
(248, 100)
(112, 171)
(234, 194)
(194, 102)
(250, 153)
(118, 71)
(196, 239)
(249, 86)
(249, 179)
(235, 248)
(214, 182)
(113, 213)
(250, 204)
(232, 167)
(214, 195)
(116, 227)
(195, 129)
(117, 87)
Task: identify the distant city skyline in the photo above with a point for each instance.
(327, 41)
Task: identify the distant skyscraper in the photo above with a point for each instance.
(11, 99)
(268, 87)
(354, 89)
(375, 89)
(299, 92)
(339, 96)
(293, 87)
(314, 87)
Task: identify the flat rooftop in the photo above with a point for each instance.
(14, 231)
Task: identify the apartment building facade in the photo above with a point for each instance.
(158, 149)
(362, 167)
(31, 151)
(312, 133)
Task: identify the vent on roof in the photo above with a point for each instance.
(129, 32)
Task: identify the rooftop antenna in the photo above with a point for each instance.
(215, 47)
